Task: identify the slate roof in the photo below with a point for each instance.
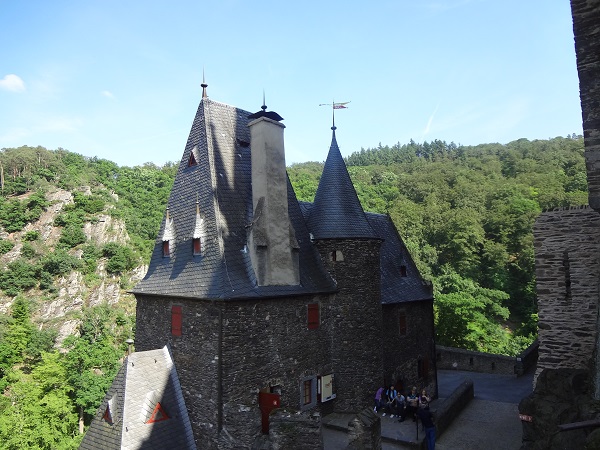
(221, 184)
(153, 391)
(395, 288)
(337, 212)
(394, 254)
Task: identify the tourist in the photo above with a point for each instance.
(390, 396)
(378, 400)
(412, 403)
(426, 418)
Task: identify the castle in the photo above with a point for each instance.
(254, 301)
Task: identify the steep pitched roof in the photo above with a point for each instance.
(400, 278)
(337, 212)
(220, 182)
(143, 409)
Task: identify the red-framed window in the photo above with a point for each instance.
(176, 316)
(158, 415)
(166, 249)
(313, 319)
(197, 246)
(192, 160)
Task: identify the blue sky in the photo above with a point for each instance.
(121, 79)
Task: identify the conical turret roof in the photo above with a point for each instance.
(337, 212)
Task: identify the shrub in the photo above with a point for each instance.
(5, 246)
(72, 236)
(60, 263)
(27, 250)
(31, 236)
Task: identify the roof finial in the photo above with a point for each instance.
(264, 106)
(204, 85)
(333, 127)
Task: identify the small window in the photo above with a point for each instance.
(307, 392)
(176, 313)
(166, 250)
(336, 255)
(402, 323)
(197, 246)
(107, 416)
(192, 160)
(403, 270)
(313, 319)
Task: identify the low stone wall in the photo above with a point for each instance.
(528, 359)
(364, 431)
(449, 358)
(293, 430)
(449, 409)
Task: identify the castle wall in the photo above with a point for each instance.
(195, 352)
(409, 351)
(567, 271)
(587, 46)
(356, 329)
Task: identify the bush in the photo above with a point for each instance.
(18, 277)
(60, 263)
(27, 250)
(5, 246)
(31, 236)
(121, 258)
(72, 236)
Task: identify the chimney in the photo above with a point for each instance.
(272, 242)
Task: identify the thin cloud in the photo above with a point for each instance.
(429, 122)
(13, 83)
(108, 94)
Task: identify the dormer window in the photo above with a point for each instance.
(403, 272)
(168, 236)
(199, 233)
(197, 246)
(194, 158)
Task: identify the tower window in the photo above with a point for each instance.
(313, 319)
(197, 246)
(336, 255)
(166, 250)
(176, 316)
(403, 271)
(192, 160)
(402, 323)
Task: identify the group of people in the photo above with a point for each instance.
(412, 406)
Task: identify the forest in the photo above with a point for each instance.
(465, 213)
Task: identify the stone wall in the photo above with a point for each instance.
(356, 320)
(449, 358)
(586, 15)
(409, 359)
(292, 431)
(567, 273)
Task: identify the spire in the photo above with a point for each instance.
(337, 212)
(204, 86)
(264, 113)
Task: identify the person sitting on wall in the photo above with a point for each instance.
(391, 396)
(412, 403)
(424, 399)
(401, 406)
(378, 400)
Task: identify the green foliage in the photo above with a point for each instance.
(72, 235)
(31, 236)
(27, 250)
(120, 258)
(18, 276)
(60, 262)
(93, 357)
(5, 246)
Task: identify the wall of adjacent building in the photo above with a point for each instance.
(404, 354)
(567, 272)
